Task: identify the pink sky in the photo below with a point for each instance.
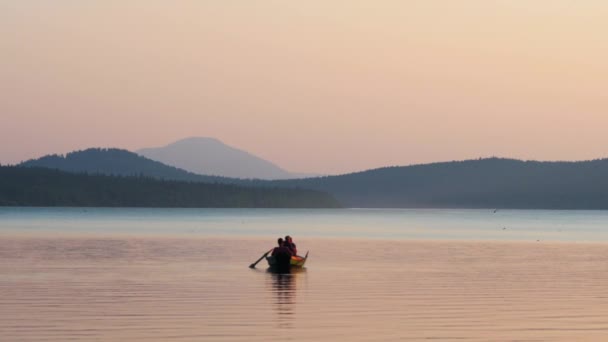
(321, 86)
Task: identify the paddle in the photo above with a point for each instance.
(260, 259)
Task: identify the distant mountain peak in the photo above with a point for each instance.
(210, 156)
(197, 143)
(196, 140)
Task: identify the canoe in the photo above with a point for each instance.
(296, 261)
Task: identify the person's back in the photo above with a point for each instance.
(282, 255)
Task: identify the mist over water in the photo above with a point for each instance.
(401, 224)
(182, 275)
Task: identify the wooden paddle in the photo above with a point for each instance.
(260, 259)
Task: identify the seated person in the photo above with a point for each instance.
(289, 244)
(282, 254)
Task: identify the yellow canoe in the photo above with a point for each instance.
(298, 261)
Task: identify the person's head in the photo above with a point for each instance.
(288, 238)
(280, 242)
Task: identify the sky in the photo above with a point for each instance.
(323, 86)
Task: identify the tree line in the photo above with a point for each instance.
(482, 183)
(34, 186)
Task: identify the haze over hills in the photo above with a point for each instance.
(209, 156)
(481, 183)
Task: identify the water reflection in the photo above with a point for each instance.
(283, 286)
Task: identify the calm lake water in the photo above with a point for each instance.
(181, 275)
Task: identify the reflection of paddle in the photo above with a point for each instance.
(260, 259)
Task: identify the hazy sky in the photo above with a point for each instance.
(315, 86)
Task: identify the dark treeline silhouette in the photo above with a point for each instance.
(33, 186)
(482, 183)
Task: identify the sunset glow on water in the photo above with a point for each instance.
(143, 285)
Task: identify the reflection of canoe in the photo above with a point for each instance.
(296, 261)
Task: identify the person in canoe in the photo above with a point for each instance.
(292, 246)
(282, 255)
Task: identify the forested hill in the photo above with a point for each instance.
(33, 186)
(482, 183)
(112, 161)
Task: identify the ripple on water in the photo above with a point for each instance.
(160, 289)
